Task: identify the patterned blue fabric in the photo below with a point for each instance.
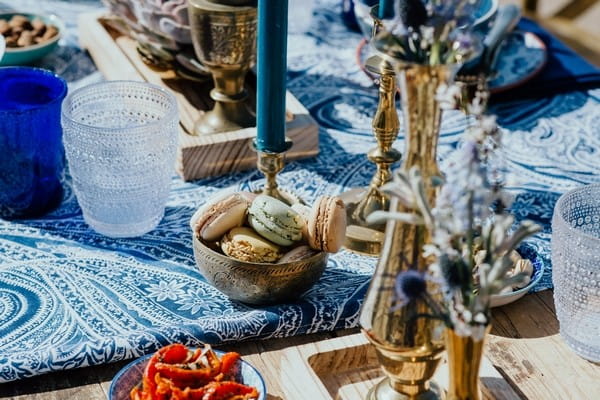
(70, 297)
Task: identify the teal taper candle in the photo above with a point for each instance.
(386, 9)
(271, 75)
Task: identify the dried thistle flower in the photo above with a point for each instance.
(468, 226)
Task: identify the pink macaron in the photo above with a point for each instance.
(218, 218)
(327, 224)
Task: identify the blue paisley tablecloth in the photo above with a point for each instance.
(70, 297)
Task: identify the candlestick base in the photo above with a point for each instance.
(270, 164)
(360, 203)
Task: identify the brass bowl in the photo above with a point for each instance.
(258, 283)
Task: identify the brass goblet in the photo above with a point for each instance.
(224, 36)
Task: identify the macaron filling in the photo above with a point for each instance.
(275, 221)
(245, 245)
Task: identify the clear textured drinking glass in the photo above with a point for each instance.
(120, 139)
(576, 269)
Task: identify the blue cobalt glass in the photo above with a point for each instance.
(31, 151)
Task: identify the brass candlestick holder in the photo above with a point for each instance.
(270, 164)
(360, 236)
(224, 36)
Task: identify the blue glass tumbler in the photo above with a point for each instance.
(31, 151)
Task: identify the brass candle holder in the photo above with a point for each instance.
(270, 164)
(224, 36)
(360, 236)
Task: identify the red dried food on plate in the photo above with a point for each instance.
(178, 373)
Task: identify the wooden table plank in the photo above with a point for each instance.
(524, 346)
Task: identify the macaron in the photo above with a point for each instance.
(302, 209)
(248, 196)
(244, 244)
(304, 212)
(220, 217)
(275, 220)
(327, 224)
(297, 254)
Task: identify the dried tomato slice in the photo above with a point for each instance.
(192, 373)
(188, 394)
(229, 390)
(229, 363)
(173, 353)
(182, 377)
(138, 394)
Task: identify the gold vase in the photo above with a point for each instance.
(409, 347)
(464, 361)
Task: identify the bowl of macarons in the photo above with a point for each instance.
(258, 250)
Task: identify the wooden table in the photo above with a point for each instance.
(524, 346)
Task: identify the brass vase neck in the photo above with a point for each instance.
(408, 345)
(464, 359)
(422, 115)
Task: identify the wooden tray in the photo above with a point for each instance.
(345, 368)
(198, 156)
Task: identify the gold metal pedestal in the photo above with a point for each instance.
(270, 164)
(361, 202)
(224, 36)
(385, 391)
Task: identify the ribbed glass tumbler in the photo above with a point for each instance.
(576, 269)
(120, 139)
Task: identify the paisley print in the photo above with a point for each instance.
(70, 297)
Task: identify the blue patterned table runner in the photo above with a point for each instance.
(71, 298)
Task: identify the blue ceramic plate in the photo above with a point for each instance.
(484, 15)
(529, 253)
(27, 55)
(131, 375)
(522, 56)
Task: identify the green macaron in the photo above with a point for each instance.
(275, 221)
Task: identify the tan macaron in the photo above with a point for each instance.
(327, 224)
(245, 244)
(220, 217)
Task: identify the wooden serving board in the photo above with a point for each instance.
(198, 156)
(345, 368)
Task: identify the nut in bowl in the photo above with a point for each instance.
(28, 37)
(258, 250)
(530, 256)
